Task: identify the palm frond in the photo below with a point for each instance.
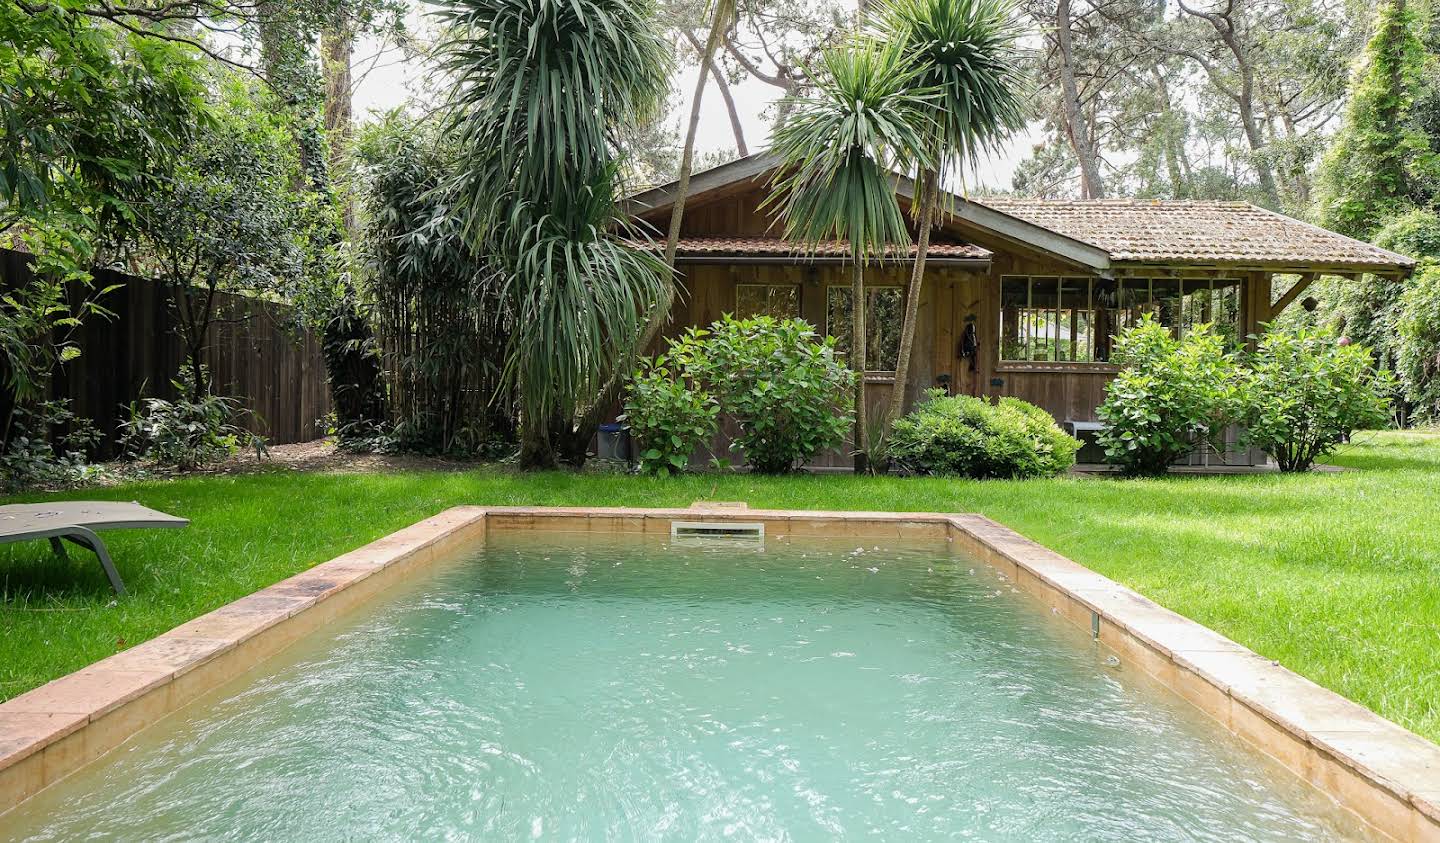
(539, 88)
(967, 51)
(542, 89)
(868, 117)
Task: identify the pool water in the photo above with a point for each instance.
(593, 687)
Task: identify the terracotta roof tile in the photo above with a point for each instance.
(776, 247)
(1201, 232)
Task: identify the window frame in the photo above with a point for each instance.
(796, 287)
(871, 375)
(1008, 365)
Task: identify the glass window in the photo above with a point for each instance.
(884, 314)
(781, 301)
(1075, 320)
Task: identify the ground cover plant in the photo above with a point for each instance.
(1334, 574)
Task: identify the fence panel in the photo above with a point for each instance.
(256, 356)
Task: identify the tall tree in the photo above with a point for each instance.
(965, 52)
(93, 114)
(840, 148)
(722, 17)
(225, 219)
(1078, 129)
(542, 90)
(1381, 162)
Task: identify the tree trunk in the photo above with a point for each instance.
(722, 12)
(1245, 103)
(336, 45)
(736, 128)
(1172, 145)
(1077, 128)
(858, 361)
(1256, 141)
(536, 452)
(928, 198)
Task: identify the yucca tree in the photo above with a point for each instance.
(840, 147)
(540, 89)
(966, 53)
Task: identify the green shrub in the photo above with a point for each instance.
(959, 434)
(1308, 393)
(181, 434)
(1170, 396)
(45, 447)
(786, 390)
(668, 418)
(1418, 357)
(1415, 233)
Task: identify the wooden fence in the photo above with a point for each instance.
(255, 354)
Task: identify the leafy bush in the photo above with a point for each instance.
(1307, 393)
(1170, 396)
(786, 390)
(668, 418)
(182, 434)
(960, 434)
(1415, 233)
(1418, 358)
(45, 446)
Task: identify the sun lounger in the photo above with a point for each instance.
(77, 522)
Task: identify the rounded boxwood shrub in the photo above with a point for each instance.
(963, 435)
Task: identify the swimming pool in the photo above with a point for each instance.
(606, 686)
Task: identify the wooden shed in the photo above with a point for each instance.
(1022, 297)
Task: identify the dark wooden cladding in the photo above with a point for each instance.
(952, 298)
(256, 356)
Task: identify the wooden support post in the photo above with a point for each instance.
(1257, 305)
(1291, 294)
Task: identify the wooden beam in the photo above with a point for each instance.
(1291, 294)
(1257, 305)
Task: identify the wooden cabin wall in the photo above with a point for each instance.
(709, 291)
(952, 296)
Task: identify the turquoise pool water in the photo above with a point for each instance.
(596, 688)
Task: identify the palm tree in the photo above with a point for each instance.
(541, 88)
(840, 148)
(966, 52)
(722, 15)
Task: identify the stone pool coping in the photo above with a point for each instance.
(1385, 775)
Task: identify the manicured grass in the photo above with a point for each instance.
(1336, 575)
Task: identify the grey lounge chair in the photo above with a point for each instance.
(77, 521)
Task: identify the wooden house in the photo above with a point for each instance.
(1021, 297)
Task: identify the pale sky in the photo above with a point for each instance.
(392, 82)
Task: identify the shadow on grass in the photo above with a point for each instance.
(33, 575)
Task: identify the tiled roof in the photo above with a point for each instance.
(1200, 232)
(776, 247)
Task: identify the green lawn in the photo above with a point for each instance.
(1336, 575)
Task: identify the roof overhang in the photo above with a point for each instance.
(1017, 231)
(1190, 269)
(744, 172)
(737, 173)
(971, 215)
(821, 260)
